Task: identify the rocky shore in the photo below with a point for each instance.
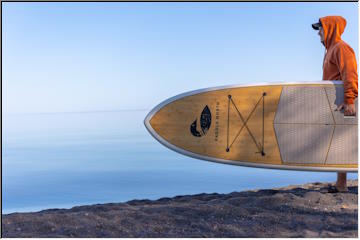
(294, 211)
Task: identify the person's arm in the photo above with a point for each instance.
(346, 62)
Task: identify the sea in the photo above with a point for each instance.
(62, 160)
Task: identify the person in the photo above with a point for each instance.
(339, 64)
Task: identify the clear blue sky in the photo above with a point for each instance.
(106, 56)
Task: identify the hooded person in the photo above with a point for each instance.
(339, 64)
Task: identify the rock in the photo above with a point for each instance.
(293, 211)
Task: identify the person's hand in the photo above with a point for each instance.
(349, 109)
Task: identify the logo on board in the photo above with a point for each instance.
(205, 123)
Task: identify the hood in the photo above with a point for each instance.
(333, 28)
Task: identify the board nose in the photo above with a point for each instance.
(147, 120)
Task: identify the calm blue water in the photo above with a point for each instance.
(69, 159)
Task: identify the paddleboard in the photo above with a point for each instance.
(292, 126)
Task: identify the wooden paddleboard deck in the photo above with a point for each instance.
(290, 126)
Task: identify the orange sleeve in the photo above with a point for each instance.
(346, 62)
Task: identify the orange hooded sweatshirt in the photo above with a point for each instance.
(339, 61)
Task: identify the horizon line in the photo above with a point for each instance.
(71, 112)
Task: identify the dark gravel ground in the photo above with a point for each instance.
(295, 211)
